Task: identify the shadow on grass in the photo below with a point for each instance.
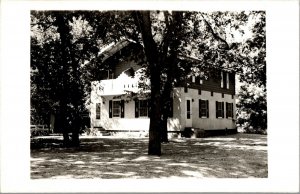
(234, 156)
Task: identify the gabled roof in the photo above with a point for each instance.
(113, 48)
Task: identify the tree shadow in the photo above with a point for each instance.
(234, 156)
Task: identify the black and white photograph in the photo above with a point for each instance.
(149, 94)
(110, 89)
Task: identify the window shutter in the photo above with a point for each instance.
(136, 108)
(171, 108)
(222, 109)
(199, 108)
(207, 109)
(122, 109)
(110, 109)
(216, 109)
(232, 110)
(227, 113)
(224, 80)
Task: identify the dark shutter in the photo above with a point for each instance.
(216, 109)
(232, 110)
(136, 108)
(171, 108)
(110, 109)
(226, 110)
(122, 109)
(224, 79)
(207, 109)
(222, 109)
(199, 108)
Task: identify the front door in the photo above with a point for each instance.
(188, 115)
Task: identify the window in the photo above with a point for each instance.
(227, 80)
(110, 75)
(222, 95)
(188, 109)
(203, 108)
(185, 89)
(222, 80)
(193, 79)
(143, 108)
(199, 91)
(201, 77)
(229, 110)
(212, 93)
(219, 109)
(116, 108)
(98, 110)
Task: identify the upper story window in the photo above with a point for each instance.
(193, 79)
(110, 74)
(227, 80)
(222, 80)
(201, 77)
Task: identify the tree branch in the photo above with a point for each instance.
(215, 35)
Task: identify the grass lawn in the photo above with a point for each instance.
(232, 156)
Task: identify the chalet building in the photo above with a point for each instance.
(118, 104)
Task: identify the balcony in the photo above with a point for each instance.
(117, 86)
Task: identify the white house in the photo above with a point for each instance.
(207, 104)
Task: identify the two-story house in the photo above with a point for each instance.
(207, 104)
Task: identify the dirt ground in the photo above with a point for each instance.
(232, 156)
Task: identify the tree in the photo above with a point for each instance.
(60, 45)
(252, 103)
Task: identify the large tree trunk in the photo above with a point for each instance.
(144, 23)
(62, 29)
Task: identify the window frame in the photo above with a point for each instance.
(203, 108)
(98, 113)
(145, 108)
(227, 80)
(222, 80)
(219, 110)
(113, 108)
(229, 110)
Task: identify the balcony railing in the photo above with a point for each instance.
(118, 86)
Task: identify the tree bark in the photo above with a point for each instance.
(171, 43)
(151, 51)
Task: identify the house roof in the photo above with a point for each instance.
(113, 48)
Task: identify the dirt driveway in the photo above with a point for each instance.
(232, 156)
